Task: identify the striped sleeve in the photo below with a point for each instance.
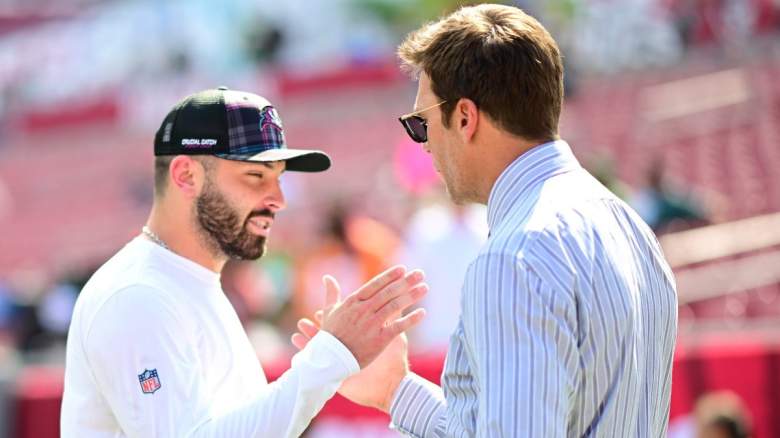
(522, 353)
(418, 409)
(524, 349)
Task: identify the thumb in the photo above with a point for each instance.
(332, 290)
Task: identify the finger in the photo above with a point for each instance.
(380, 282)
(403, 324)
(299, 340)
(402, 302)
(318, 317)
(307, 327)
(395, 289)
(332, 290)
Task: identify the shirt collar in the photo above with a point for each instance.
(529, 169)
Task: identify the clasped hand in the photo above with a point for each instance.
(370, 324)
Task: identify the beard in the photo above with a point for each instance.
(222, 229)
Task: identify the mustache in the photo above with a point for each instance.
(265, 212)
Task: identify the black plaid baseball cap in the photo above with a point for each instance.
(233, 125)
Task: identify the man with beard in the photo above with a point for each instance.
(156, 350)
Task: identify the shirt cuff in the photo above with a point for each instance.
(339, 350)
(417, 406)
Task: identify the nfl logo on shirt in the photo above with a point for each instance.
(149, 381)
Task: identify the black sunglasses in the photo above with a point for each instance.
(416, 126)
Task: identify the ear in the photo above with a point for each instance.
(466, 118)
(186, 175)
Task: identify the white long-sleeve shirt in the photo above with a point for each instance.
(568, 318)
(156, 350)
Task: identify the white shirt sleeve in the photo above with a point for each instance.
(138, 330)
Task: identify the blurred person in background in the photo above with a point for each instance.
(55, 310)
(156, 350)
(10, 361)
(442, 240)
(258, 304)
(354, 248)
(8, 308)
(664, 207)
(717, 414)
(251, 290)
(333, 254)
(569, 312)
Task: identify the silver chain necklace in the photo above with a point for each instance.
(153, 237)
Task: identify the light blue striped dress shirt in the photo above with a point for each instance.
(568, 318)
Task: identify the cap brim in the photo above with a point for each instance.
(297, 160)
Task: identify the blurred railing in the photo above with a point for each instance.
(726, 258)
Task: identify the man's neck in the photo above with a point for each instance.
(504, 150)
(180, 236)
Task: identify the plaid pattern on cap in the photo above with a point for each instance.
(251, 131)
(234, 125)
(253, 126)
